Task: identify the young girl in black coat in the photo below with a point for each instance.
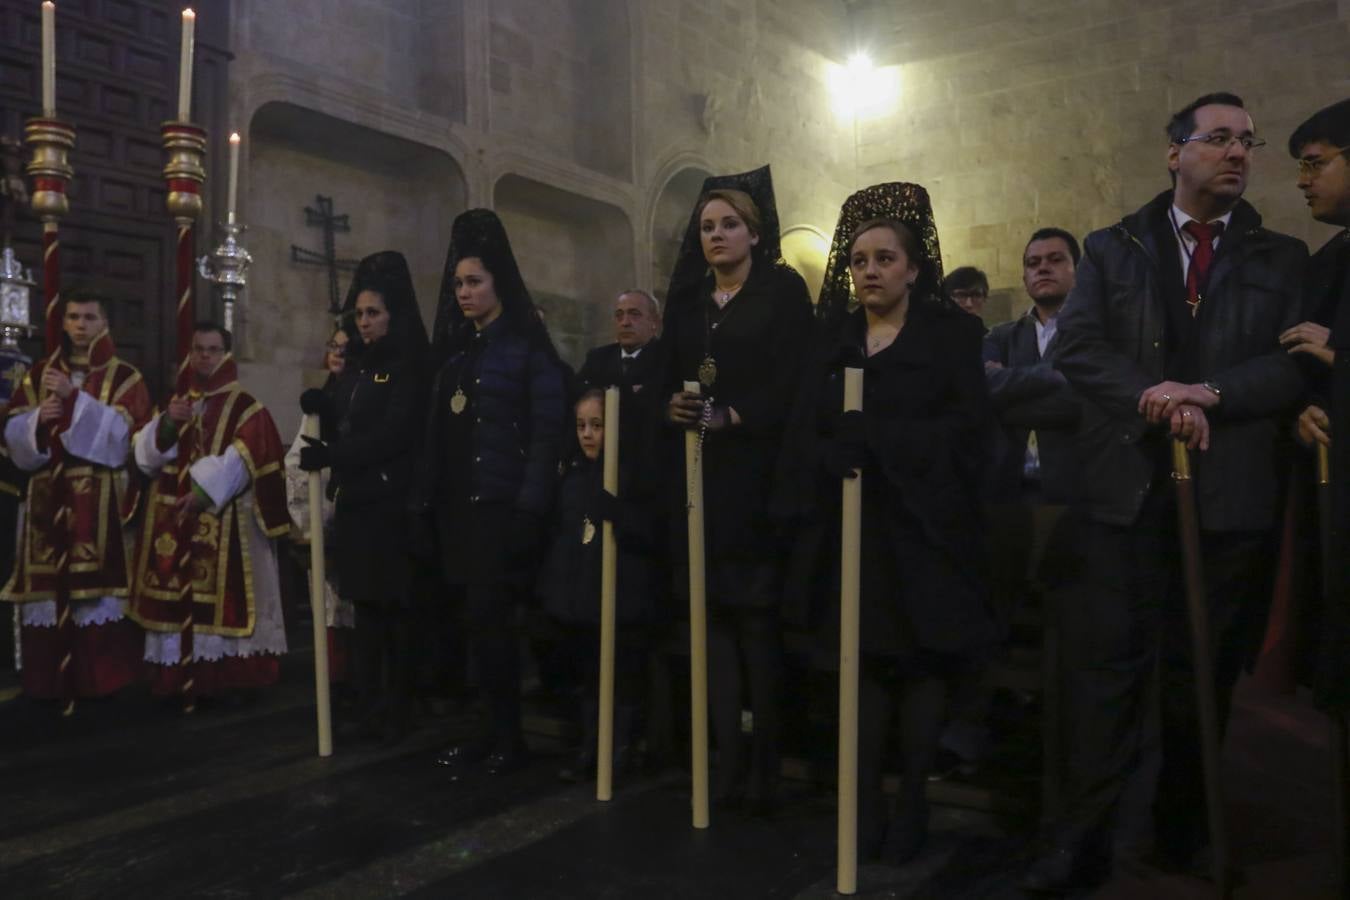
(569, 582)
(917, 441)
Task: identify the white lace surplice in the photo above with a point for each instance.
(98, 434)
(223, 477)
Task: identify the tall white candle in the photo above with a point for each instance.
(48, 58)
(185, 67)
(234, 174)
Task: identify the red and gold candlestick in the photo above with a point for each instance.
(51, 141)
(184, 174)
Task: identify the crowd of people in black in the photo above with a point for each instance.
(477, 451)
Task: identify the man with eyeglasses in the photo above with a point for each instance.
(1171, 331)
(1321, 148)
(968, 288)
(212, 614)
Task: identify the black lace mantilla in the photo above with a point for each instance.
(902, 201)
(691, 266)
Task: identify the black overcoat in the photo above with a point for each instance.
(569, 580)
(926, 408)
(380, 400)
(1329, 288)
(757, 340)
(1119, 335)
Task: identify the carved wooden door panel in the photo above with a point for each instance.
(117, 64)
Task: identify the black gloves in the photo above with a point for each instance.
(603, 507)
(318, 402)
(315, 455)
(847, 449)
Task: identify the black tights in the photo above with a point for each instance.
(920, 698)
(494, 644)
(380, 657)
(752, 637)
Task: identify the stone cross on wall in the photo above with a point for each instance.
(331, 224)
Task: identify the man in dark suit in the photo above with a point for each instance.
(633, 363)
(1321, 146)
(1034, 402)
(1031, 466)
(1171, 331)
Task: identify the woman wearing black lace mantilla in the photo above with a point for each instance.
(373, 430)
(738, 319)
(488, 473)
(918, 443)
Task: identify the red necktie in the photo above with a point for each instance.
(1197, 276)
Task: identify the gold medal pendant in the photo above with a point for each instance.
(587, 530)
(458, 402)
(707, 372)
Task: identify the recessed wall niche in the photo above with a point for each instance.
(670, 217)
(576, 254)
(399, 195)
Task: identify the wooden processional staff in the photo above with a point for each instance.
(317, 607)
(698, 624)
(609, 570)
(1340, 740)
(1202, 662)
(850, 600)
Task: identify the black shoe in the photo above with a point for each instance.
(1061, 870)
(460, 759)
(906, 835)
(949, 764)
(1198, 864)
(499, 764)
(580, 769)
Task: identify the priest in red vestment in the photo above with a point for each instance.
(236, 501)
(70, 426)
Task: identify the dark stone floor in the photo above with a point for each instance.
(130, 799)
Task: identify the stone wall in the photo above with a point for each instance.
(1048, 112)
(590, 124)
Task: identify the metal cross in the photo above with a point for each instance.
(323, 218)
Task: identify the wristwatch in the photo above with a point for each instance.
(1213, 389)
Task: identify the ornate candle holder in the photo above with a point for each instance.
(227, 268)
(184, 169)
(51, 141)
(16, 288)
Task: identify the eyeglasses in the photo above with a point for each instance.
(1312, 167)
(337, 349)
(968, 295)
(1222, 140)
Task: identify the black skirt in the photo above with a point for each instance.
(372, 555)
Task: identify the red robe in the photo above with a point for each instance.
(71, 543)
(234, 453)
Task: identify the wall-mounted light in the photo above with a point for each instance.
(859, 89)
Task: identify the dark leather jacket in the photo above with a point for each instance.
(1118, 335)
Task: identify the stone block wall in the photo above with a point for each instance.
(590, 124)
(1047, 112)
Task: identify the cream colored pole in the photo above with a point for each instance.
(698, 624)
(609, 569)
(316, 601)
(850, 594)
